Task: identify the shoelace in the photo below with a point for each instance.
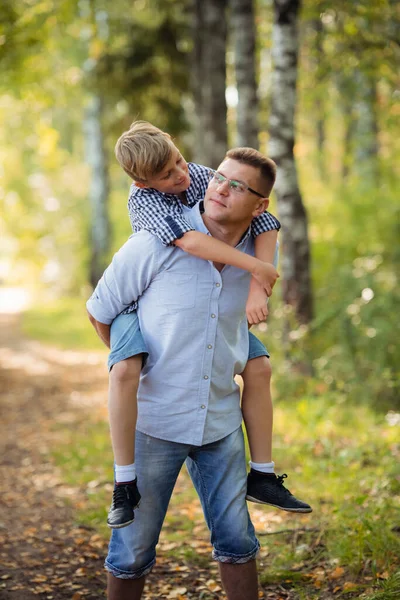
(119, 494)
(280, 478)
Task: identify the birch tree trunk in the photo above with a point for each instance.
(99, 189)
(209, 29)
(295, 265)
(243, 25)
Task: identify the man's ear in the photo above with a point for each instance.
(261, 207)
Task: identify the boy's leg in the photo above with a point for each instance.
(257, 408)
(122, 409)
(263, 485)
(125, 362)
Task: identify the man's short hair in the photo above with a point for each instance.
(254, 158)
(143, 150)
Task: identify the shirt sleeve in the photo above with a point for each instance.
(125, 279)
(161, 217)
(264, 222)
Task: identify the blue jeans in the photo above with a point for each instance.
(218, 471)
(127, 340)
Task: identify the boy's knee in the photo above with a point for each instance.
(259, 368)
(127, 370)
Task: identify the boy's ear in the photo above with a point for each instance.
(261, 207)
(140, 184)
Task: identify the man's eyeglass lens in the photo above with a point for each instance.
(235, 186)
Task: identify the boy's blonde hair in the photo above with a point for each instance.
(254, 158)
(143, 150)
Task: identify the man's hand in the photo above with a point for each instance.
(266, 275)
(256, 307)
(102, 330)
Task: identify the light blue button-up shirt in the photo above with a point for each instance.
(193, 321)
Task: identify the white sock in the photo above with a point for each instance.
(263, 467)
(124, 473)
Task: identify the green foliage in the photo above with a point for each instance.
(341, 458)
(63, 324)
(388, 590)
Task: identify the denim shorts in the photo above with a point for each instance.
(127, 340)
(218, 472)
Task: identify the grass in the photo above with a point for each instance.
(343, 459)
(63, 324)
(341, 455)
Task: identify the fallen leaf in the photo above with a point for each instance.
(348, 586)
(336, 573)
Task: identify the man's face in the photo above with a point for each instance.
(174, 178)
(225, 205)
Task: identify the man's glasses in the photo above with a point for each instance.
(238, 187)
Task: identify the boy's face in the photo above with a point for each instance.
(173, 179)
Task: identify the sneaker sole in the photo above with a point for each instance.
(295, 510)
(121, 525)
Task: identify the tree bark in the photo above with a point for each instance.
(295, 265)
(99, 189)
(243, 25)
(209, 29)
(319, 102)
(366, 129)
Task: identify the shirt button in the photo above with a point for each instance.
(213, 316)
(203, 406)
(209, 346)
(205, 376)
(217, 285)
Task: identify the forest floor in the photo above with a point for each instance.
(52, 540)
(44, 394)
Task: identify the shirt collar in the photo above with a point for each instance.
(196, 213)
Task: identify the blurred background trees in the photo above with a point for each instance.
(313, 85)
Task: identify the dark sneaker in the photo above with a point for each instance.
(126, 497)
(267, 488)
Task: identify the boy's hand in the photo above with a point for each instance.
(256, 307)
(266, 275)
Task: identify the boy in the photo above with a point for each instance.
(163, 181)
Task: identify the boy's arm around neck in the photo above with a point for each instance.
(209, 248)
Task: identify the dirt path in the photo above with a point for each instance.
(43, 552)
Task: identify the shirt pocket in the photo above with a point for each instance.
(177, 291)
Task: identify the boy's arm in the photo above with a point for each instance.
(209, 248)
(256, 307)
(265, 229)
(149, 210)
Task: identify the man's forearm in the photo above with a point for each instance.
(102, 330)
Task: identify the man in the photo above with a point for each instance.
(188, 401)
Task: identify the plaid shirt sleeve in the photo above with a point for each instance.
(149, 210)
(264, 222)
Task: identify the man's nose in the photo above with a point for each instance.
(223, 187)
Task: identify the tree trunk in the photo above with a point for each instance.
(296, 281)
(320, 91)
(209, 29)
(366, 129)
(99, 189)
(243, 26)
